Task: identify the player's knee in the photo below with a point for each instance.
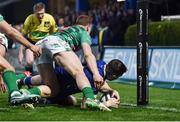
(6, 68)
(9, 68)
(77, 72)
(71, 100)
(45, 91)
(54, 90)
(68, 101)
(30, 62)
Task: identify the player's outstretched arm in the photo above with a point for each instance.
(17, 36)
(91, 62)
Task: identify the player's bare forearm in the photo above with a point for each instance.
(14, 34)
(91, 62)
(106, 88)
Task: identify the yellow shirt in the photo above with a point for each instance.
(36, 30)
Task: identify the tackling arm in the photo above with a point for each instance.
(16, 35)
(91, 62)
(13, 34)
(107, 88)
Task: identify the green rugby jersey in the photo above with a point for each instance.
(75, 36)
(1, 18)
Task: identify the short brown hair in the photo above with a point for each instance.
(83, 20)
(115, 67)
(38, 6)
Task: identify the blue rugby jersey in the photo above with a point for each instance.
(68, 84)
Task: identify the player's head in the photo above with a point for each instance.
(114, 69)
(39, 10)
(83, 20)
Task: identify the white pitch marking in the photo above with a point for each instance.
(153, 107)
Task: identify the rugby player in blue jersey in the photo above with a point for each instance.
(111, 71)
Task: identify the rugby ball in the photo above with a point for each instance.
(105, 97)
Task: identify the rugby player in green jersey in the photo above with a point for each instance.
(8, 71)
(59, 47)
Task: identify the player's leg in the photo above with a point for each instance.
(45, 65)
(23, 75)
(2, 85)
(9, 77)
(66, 100)
(60, 50)
(29, 60)
(49, 78)
(69, 60)
(42, 90)
(72, 64)
(30, 81)
(3, 50)
(2, 53)
(45, 91)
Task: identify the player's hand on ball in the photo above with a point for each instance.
(112, 102)
(115, 94)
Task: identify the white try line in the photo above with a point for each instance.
(153, 107)
(4, 109)
(148, 107)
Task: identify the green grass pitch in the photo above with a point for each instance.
(164, 105)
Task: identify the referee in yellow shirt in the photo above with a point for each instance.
(36, 27)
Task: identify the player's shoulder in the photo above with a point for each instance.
(80, 28)
(101, 62)
(48, 16)
(30, 17)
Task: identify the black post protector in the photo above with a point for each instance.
(142, 53)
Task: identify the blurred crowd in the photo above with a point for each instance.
(109, 21)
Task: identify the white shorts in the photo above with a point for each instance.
(50, 46)
(3, 40)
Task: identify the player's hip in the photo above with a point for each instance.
(54, 44)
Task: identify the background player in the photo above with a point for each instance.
(36, 27)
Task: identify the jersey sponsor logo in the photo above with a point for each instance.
(46, 24)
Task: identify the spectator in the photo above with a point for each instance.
(130, 7)
(61, 24)
(113, 16)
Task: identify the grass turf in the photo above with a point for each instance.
(164, 105)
